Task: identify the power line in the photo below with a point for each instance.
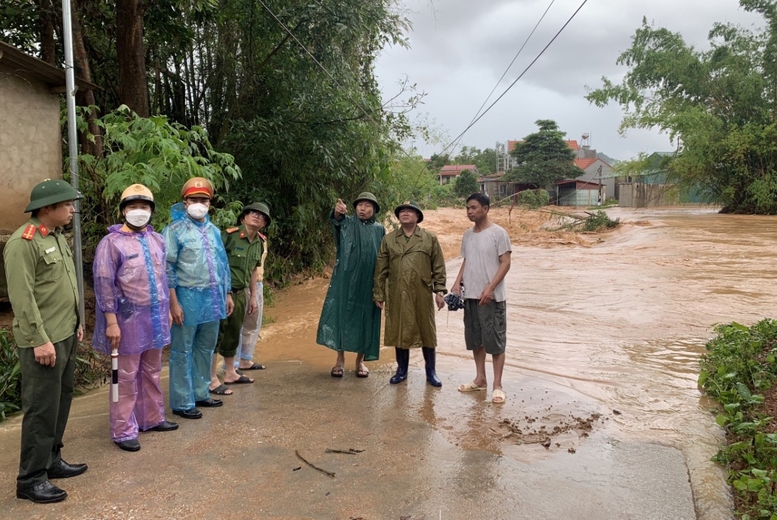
(512, 62)
(520, 76)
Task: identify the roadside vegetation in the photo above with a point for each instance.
(90, 372)
(739, 371)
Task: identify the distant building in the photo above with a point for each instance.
(451, 171)
(597, 168)
(598, 171)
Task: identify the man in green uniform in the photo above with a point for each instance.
(44, 295)
(244, 252)
(410, 267)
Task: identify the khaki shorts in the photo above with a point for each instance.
(485, 326)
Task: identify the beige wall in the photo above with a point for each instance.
(30, 144)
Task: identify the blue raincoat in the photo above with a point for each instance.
(197, 267)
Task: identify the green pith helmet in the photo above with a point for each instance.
(366, 195)
(51, 191)
(261, 207)
(409, 204)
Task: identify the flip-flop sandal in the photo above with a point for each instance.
(242, 380)
(221, 390)
(337, 371)
(362, 372)
(255, 366)
(498, 397)
(471, 387)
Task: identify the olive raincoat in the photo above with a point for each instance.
(350, 320)
(406, 274)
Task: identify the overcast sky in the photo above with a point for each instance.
(460, 48)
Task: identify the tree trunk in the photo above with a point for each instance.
(46, 17)
(133, 87)
(85, 97)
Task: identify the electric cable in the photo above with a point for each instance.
(475, 120)
(526, 41)
(520, 76)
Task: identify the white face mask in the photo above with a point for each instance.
(138, 217)
(197, 211)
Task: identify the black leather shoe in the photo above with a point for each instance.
(43, 493)
(209, 403)
(166, 426)
(192, 413)
(64, 470)
(130, 445)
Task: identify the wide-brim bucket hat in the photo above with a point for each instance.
(366, 195)
(261, 207)
(51, 191)
(409, 204)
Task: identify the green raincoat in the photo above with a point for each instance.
(350, 320)
(406, 274)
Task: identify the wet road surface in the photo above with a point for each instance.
(603, 418)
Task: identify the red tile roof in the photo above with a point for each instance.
(585, 163)
(454, 170)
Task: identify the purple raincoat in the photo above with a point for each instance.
(130, 281)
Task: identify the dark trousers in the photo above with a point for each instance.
(229, 329)
(46, 396)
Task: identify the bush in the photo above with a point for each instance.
(91, 371)
(466, 184)
(533, 198)
(599, 220)
(738, 368)
(10, 375)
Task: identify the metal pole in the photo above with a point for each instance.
(72, 145)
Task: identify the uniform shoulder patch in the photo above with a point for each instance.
(232, 229)
(29, 232)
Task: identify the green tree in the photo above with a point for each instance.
(466, 184)
(717, 104)
(286, 87)
(543, 157)
(150, 151)
(485, 160)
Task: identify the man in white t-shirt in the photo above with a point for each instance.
(486, 250)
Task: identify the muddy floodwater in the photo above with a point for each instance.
(603, 419)
(604, 336)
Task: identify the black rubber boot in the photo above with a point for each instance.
(430, 356)
(403, 360)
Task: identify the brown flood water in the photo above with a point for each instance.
(604, 336)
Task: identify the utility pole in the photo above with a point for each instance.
(72, 146)
(601, 195)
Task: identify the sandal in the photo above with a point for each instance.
(221, 390)
(498, 396)
(471, 387)
(362, 371)
(337, 371)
